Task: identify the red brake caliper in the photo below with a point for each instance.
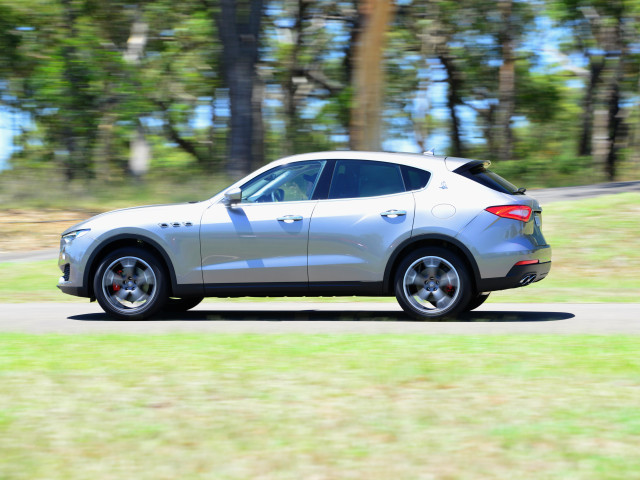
(115, 286)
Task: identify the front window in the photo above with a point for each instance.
(287, 183)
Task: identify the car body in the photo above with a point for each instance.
(437, 232)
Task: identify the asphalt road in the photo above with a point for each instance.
(550, 195)
(328, 318)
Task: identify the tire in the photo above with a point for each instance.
(420, 284)
(130, 284)
(177, 305)
(476, 300)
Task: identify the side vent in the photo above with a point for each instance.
(175, 224)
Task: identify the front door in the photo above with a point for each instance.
(261, 241)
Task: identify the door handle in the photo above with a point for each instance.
(290, 218)
(393, 213)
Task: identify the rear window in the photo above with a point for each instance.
(361, 178)
(477, 172)
(414, 178)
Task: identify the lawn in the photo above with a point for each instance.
(321, 407)
(596, 252)
(596, 257)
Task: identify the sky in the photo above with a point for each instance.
(6, 134)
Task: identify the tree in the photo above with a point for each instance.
(506, 80)
(602, 32)
(238, 26)
(368, 77)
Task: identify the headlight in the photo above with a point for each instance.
(71, 236)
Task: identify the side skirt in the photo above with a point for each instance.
(302, 289)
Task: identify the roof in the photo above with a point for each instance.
(412, 159)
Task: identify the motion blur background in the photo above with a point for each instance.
(105, 101)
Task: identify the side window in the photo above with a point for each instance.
(287, 183)
(361, 178)
(415, 178)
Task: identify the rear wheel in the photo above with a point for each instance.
(182, 304)
(432, 283)
(476, 300)
(130, 284)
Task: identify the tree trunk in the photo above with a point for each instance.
(506, 84)
(595, 69)
(368, 79)
(615, 126)
(76, 129)
(257, 146)
(139, 153)
(139, 150)
(453, 100)
(607, 121)
(290, 101)
(238, 26)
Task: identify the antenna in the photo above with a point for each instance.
(431, 151)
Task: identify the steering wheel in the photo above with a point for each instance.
(277, 195)
(274, 196)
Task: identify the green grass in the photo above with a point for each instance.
(596, 252)
(31, 282)
(596, 258)
(296, 406)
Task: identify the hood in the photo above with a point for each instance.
(143, 216)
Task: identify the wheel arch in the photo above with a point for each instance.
(429, 240)
(126, 240)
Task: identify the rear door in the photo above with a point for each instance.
(353, 232)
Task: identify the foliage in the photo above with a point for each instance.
(81, 91)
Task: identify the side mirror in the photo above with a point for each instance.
(231, 196)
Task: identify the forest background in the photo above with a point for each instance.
(99, 94)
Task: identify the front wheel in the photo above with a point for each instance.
(432, 283)
(130, 284)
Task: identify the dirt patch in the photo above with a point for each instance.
(27, 230)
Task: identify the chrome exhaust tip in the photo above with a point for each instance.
(527, 279)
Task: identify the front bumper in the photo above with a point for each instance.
(518, 276)
(75, 291)
(72, 263)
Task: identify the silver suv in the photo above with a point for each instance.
(439, 233)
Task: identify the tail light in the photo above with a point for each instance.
(515, 212)
(527, 262)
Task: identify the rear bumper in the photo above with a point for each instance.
(518, 276)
